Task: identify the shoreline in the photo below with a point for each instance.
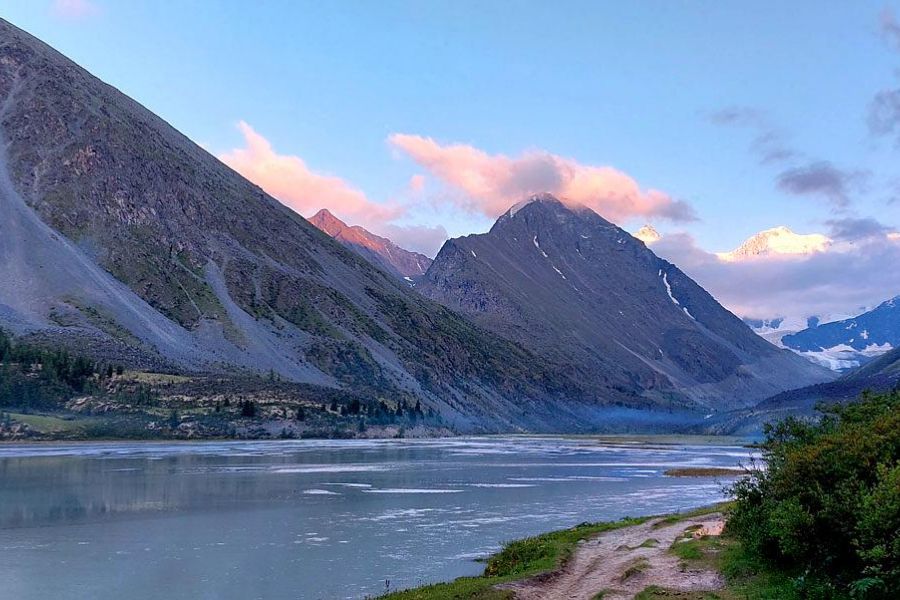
(533, 565)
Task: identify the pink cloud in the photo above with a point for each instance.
(289, 179)
(417, 184)
(492, 183)
(74, 9)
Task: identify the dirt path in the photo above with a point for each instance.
(622, 563)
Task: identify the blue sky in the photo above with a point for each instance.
(673, 95)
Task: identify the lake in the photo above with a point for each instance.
(312, 519)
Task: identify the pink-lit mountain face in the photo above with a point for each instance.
(378, 250)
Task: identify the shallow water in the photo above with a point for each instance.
(310, 519)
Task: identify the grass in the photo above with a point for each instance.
(154, 378)
(698, 512)
(635, 568)
(745, 578)
(703, 472)
(519, 559)
(48, 424)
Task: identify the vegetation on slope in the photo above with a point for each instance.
(34, 377)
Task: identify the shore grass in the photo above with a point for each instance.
(48, 424)
(517, 560)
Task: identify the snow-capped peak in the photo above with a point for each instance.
(778, 241)
(647, 234)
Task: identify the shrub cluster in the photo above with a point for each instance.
(826, 504)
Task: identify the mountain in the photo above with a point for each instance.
(648, 234)
(773, 330)
(774, 242)
(377, 250)
(848, 343)
(879, 375)
(123, 239)
(577, 290)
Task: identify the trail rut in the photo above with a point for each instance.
(617, 564)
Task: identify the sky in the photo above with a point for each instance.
(711, 121)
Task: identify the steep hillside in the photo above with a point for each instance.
(578, 290)
(377, 250)
(122, 238)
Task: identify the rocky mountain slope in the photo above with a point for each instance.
(122, 238)
(849, 343)
(879, 375)
(577, 290)
(377, 250)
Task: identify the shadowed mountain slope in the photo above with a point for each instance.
(579, 291)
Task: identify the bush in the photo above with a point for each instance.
(827, 504)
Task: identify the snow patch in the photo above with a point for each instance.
(538, 246)
(558, 271)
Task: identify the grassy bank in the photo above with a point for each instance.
(517, 560)
(745, 578)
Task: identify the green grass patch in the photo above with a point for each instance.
(48, 424)
(635, 568)
(654, 592)
(697, 512)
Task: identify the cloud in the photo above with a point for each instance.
(291, 181)
(838, 281)
(884, 114)
(74, 9)
(768, 144)
(890, 28)
(421, 238)
(417, 184)
(854, 229)
(490, 184)
(824, 180)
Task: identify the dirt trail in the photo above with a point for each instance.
(603, 563)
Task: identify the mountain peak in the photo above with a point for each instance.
(648, 234)
(327, 222)
(777, 241)
(374, 248)
(568, 284)
(542, 198)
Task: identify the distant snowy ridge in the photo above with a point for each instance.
(778, 241)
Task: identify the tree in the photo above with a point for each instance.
(248, 409)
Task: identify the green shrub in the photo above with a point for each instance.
(827, 505)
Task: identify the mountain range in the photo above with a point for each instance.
(123, 239)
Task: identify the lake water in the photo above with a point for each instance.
(310, 519)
